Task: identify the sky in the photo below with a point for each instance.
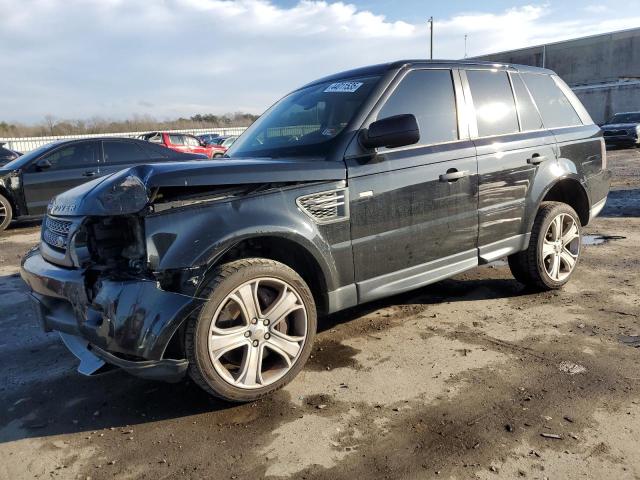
(78, 59)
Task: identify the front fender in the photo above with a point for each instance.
(196, 237)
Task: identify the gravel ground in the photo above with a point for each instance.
(473, 377)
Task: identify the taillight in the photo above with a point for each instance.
(603, 153)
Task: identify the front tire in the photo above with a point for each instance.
(254, 334)
(6, 213)
(554, 248)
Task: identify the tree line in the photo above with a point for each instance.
(51, 125)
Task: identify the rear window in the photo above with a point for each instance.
(116, 152)
(493, 102)
(554, 106)
(529, 116)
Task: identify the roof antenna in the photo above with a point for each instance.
(431, 36)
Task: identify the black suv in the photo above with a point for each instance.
(623, 130)
(354, 187)
(29, 182)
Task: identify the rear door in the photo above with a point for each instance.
(414, 209)
(511, 143)
(71, 165)
(177, 142)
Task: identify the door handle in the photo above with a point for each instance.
(452, 175)
(536, 159)
(89, 173)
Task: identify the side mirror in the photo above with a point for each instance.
(43, 164)
(391, 132)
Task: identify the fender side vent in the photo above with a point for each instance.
(326, 207)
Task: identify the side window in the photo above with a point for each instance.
(156, 151)
(554, 106)
(429, 95)
(74, 156)
(157, 138)
(529, 116)
(191, 141)
(123, 152)
(176, 139)
(493, 102)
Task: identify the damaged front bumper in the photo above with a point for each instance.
(127, 323)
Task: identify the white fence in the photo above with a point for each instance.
(26, 144)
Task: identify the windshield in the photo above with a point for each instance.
(26, 158)
(305, 122)
(626, 118)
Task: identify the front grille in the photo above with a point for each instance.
(55, 232)
(325, 207)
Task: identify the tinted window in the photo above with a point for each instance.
(529, 116)
(156, 151)
(493, 102)
(123, 152)
(555, 108)
(74, 156)
(429, 95)
(176, 139)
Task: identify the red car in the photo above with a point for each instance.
(185, 143)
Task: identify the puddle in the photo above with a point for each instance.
(630, 340)
(598, 239)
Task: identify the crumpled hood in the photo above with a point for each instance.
(95, 197)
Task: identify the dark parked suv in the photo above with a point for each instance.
(30, 181)
(354, 187)
(623, 130)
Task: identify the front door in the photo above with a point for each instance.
(511, 142)
(414, 209)
(69, 166)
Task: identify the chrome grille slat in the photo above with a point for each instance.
(55, 232)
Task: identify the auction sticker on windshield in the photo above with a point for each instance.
(343, 87)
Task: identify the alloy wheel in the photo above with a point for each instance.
(561, 247)
(257, 333)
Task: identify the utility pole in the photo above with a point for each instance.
(465, 45)
(431, 43)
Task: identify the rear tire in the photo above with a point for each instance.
(254, 334)
(6, 213)
(554, 248)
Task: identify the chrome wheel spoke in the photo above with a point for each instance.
(221, 343)
(570, 234)
(568, 259)
(288, 347)
(548, 248)
(556, 228)
(251, 370)
(555, 266)
(247, 299)
(285, 304)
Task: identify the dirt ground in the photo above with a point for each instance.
(473, 377)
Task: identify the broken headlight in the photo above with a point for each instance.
(129, 195)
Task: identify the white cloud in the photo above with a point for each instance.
(115, 58)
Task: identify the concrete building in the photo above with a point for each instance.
(603, 70)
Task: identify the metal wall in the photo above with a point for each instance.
(603, 70)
